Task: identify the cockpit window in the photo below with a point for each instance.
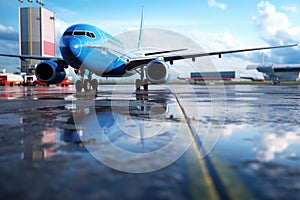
(68, 33)
(84, 33)
(90, 34)
(78, 33)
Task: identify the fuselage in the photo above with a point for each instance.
(88, 47)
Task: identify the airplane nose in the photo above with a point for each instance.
(70, 47)
(75, 46)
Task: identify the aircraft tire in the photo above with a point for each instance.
(137, 84)
(86, 85)
(94, 84)
(78, 86)
(145, 84)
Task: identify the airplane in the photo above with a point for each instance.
(90, 50)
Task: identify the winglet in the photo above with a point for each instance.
(141, 30)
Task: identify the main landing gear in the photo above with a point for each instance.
(142, 82)
(88, 84)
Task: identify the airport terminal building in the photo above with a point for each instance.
(37, 33)
(213, 76)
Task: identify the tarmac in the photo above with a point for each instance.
(171, 142)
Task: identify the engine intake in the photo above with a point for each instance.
(50, 72)
(157, 71)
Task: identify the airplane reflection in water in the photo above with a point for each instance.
(129, 125)
(148, 113)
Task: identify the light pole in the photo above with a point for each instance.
(30, 30)
(20, 37)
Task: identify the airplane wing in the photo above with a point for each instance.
(138, 62)
(23, 57)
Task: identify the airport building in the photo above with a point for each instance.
(37, 34)
(213, 76)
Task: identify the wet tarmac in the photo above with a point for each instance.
(173, 142)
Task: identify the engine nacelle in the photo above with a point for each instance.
(50, 72)
(157, 71)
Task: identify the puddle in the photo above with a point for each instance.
(261, 139)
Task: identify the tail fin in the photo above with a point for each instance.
(141, 30)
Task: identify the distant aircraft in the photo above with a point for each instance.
(278, 73)
(90, 50)
(252, 78)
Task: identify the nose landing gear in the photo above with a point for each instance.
(88, 84)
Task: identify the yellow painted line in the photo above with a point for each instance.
(214, 178)
(209, 183)
(213, 193)
(221, 182)
(200, 183)
(230, 186)
(236, 188)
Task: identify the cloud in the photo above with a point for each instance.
(60, 27)
(213, 3)
(211, 41)
(272, 144)
(9, 47)
(275, 28)
(8, 33)
(9, 43)
(272, 23)
(292, 9)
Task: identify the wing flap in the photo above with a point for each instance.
(161, 52)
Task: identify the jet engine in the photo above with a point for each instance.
(51, 72)
(157, 71)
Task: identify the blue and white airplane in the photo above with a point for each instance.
(87, 48)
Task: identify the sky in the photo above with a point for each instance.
(213, 24)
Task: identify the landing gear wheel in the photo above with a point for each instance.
(94, 84)
(78, 86)
(86, 85)
(145, 84)
(138, 84)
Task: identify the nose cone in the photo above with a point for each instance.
(75, 46)
(70, 47)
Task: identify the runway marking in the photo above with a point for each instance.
(217, 189)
